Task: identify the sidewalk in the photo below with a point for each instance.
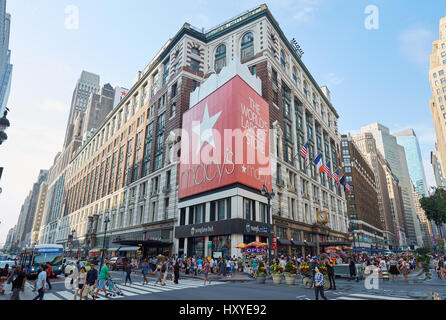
(237, 277)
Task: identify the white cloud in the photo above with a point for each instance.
(416, 44)
(304, 9)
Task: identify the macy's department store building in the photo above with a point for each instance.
(220, 203)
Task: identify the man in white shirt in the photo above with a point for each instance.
(41, 283)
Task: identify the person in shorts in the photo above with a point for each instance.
(206, 269)
(81, 281)
(104, 275)
(90, 283)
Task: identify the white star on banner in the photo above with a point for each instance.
(204, 129)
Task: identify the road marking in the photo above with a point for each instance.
(148, 288)
(67, 295)
(348, 298)
(50, 296)
(377, 297)
(138, 291)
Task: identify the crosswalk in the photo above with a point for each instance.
(362, 296)
(135, 289)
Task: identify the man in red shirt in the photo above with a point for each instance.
(49, 273)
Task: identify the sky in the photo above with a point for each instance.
(377, 74)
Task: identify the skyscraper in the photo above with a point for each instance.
(437, 80)
(5, 56)
(88, 83)
(396, 157)
(408, 139)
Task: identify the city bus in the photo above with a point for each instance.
(32, 258)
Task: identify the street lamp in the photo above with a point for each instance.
(269, 196)
(106, 221)
(4, 124)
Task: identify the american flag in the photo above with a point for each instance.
(327, 170)
(347, 186)
(304, 152)
(336, 177)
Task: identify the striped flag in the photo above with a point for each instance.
(318, 163)
(342, 182)
(347, 186)
(327, 170)
(336, 177)
(304, 152)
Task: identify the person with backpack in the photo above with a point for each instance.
(164, 271)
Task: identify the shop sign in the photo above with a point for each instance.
(254, 250)
(226, 227)
(225, 140)
(209, 244)
(274, 243)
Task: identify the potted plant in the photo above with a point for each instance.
(290, 273)
(276, 271)
(261, 273)
(323, 269)
(307, 278)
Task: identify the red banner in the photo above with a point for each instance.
(225, 140)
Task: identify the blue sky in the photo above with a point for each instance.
(374, 75)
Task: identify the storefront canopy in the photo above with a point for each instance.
(284, 242)
(145, 244)
(297, 243)
(129, 249)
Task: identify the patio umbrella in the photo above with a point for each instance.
(256, 244)
(241, 246)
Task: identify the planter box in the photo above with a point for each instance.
(277, 278)
(261, 279)
(290, 279)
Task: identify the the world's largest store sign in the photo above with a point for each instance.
(225, 140)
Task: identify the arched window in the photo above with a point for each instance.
(305, 89)
(247, 49)
(282, 60)
(195, 51)
(220, 58)
(294, 75)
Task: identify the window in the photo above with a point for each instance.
(274, 76)
(221, 209)
(254, 70)
(212, 212)
(275, 98)
(305, 89)
(348, 169)
(174, 90)
(166, 71)
(442, 107)
(443, 80)
(294, 75)
(220, 58)
(194, 85)
(435, 75)
(247, 47)
(441, 72)
(263, 213)
(195, 65)
(249, 209)
(282, 60)
(195, 51)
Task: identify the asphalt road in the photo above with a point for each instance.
(194, 289)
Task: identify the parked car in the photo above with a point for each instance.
(118, 263)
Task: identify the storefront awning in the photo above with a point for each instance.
(95, 249)
(129, 249)
(284, 242)
(310, 244)
(297, 243)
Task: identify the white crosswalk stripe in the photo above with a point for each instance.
(136, 289)
(361, 296)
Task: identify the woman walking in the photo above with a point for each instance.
(352, 267)
(158, 269)
(405, 269)
(206, 270)
(81, 281)
(393, 269)
(176, 271)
